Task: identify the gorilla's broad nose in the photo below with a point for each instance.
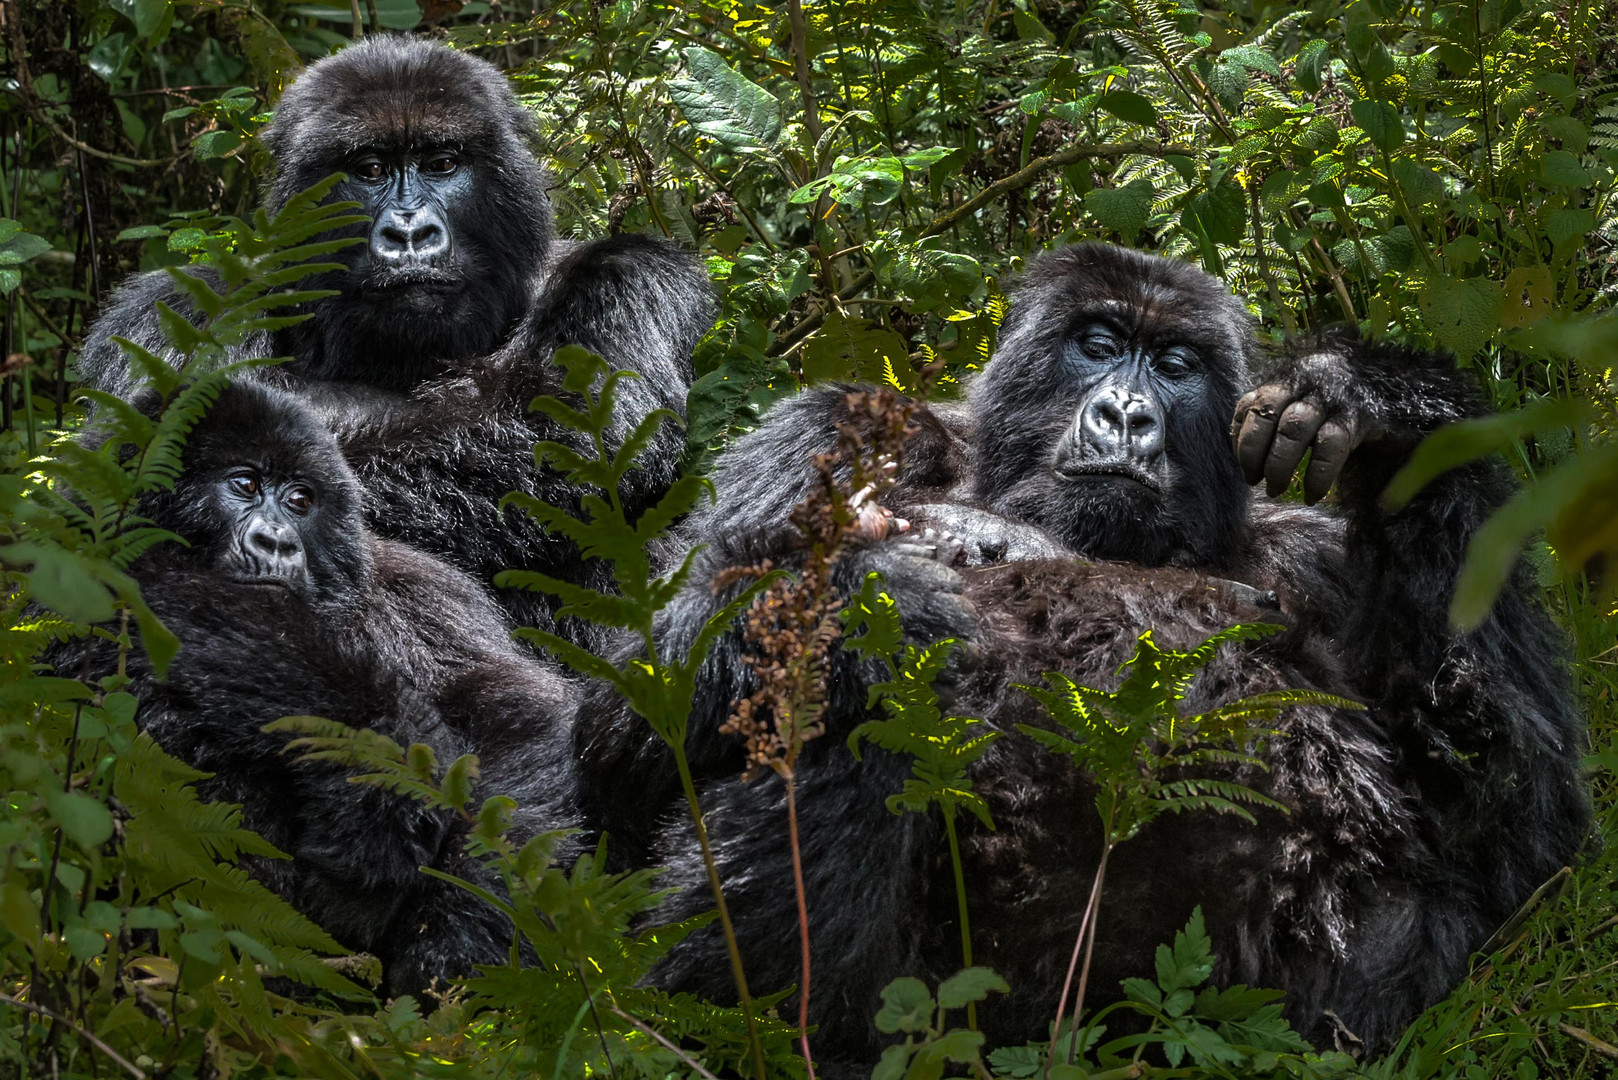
(1120, 423)
(273, 544)
(405, 234)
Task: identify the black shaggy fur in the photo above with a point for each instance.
(381, 636)
(1416, 828)
(425, 366)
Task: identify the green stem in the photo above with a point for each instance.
(745, 998)
(960, 901)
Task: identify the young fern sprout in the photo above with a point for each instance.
(658, 687)
(944, 747)
(1129, 740)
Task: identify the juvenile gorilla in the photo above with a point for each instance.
(1102, 429)
(284, 605)
(446, 319)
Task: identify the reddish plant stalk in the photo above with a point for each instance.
(803, 922)
(1086, 933)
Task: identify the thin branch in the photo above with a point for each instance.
(1600, 1046)
(670, 1047)
(41, 1010)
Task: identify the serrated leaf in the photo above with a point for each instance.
(1381, 123)
(1124, 210)
(1310, 63)
(1462, 313)
(1253, 58)
(1562, 169)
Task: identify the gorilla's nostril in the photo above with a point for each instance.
(410, 233)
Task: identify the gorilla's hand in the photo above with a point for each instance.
(1314, 404)
(971, 537)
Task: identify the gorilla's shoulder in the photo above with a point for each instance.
(433, 590)
(769, 470)
(632, 267)
(132, 313)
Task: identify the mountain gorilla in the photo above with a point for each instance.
(1101, 429)
(285, 605)
(446, 319)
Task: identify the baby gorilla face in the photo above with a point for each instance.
(266, 502)
(265, 517)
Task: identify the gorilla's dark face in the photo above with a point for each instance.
(1103, 416)
(434, 148)
(266, 503)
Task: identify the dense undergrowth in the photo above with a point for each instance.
(862, 179)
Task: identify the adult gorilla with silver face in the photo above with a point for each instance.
(446, 318)
(1102, 429)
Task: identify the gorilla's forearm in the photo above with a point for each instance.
(1407, 562)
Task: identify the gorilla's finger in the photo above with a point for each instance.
(1253, 443)
(1242, 407)
(1293, 433)
(1333, 442)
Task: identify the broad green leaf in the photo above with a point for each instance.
(1562, 169)
(1310, 62)
(906, 1006)
(215, 144)
(147, 15)
(1129, 107)
(1462, 313)
(724, 105)
(142, 232)
(1219, 214)
(1229, 82)
(1252, 58)
(86, 821)
(1420, 184)
(1565, 226)
(1125, 209)
(972, 984)
(22, 246)
(1381, 123)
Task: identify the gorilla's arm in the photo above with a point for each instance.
(1485, 720)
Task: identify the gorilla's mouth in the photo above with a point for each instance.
(253, 582)
(1120, 470)
(396, 279)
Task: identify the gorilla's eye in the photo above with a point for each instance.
(441, 164)
(245, 485)
(369, 169)
(1099, 342)
(299, 500)
(1176, 362)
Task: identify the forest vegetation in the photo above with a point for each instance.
(863, 180)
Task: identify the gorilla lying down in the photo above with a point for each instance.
(446, 318)
(1102, 429)
(285, 605)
